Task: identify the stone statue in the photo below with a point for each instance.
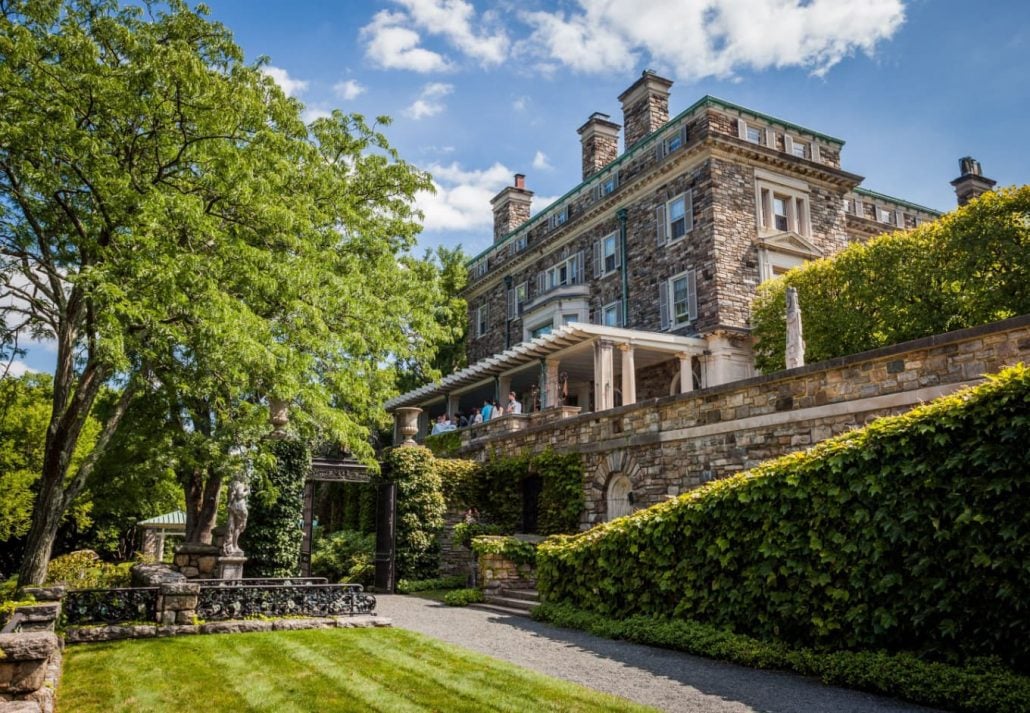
(795, 340)
(237, 508)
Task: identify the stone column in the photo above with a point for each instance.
(603, 375)
(504, 386)
(550, 390)
(686, 372)
(629, 375)
(453, 404)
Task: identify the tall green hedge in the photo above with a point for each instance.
(970, 267)
(273, 535)
(910, 534)
(420, 510)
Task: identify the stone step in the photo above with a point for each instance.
(530, 595)
(510, 603)
(487, 606)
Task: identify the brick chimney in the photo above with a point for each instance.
(600, 139)
(645, 106)
(511, 207)
(972, 182)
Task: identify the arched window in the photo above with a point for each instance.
(620, 497)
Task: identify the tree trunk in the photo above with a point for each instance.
(47, 513)
(202, 490)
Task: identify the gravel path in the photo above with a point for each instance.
(669, 680)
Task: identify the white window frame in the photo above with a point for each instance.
(572, 277)
(521, 296)
(518, 244)
(884, 215)
(667, 301)
(688, 216)
(609, 184)
(560, 218)
(613, 240)
(479, 269)
(613, 309)
(756, 137)
(482, 320)
(796, 197)
(800, 149)
(530, 331)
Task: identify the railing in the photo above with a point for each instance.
(265, 581)
(109, 606)
(218, 602)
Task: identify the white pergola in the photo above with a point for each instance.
(583, 352)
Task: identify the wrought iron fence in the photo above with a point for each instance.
(218, 602)
(109, 606)
(265, 581)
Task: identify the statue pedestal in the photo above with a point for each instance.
(231, 567)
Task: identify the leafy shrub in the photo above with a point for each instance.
(510, 548)
(465, 532)
(970, 267)
(910, 533)
(444, 445)
(405, 586)
(457, 479)
(7, 608)
(462, 597)
(273, 535)
(345, 556)
(420, 510)
(83, 569)
(981, 686)
(498, 490)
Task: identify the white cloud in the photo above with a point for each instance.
(292, 87)
(17, 368)
(456, 21)
(348, 89)
(520, 103)
(717, 38)
(311, 113)
(541, 163)
(393, 46)
(462, 198)
(429, 101)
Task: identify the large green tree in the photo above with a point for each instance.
(170, 221)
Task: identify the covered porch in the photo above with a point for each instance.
(577, 368)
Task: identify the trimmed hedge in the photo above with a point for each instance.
(407, 586)
(910, 534)
(982, 686)
(970, 267)
(511, 548)
(463, 597)
(420, 510)
(273, 535)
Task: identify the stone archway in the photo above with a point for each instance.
(614, 479)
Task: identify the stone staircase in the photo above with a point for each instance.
(515, 602)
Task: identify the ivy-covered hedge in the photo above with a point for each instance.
(420, 510)
(981, 686)
(273, 535)
(910, 534)
(457, 478)
(497, 490)
(970, 267)
(511, 548)
(444, 445)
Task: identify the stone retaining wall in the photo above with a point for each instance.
(669, 445)
(30, 659)
(498, 572)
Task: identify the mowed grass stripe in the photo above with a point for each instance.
(490, 682)
(328, 671)
(348, 674)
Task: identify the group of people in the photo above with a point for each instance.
(489, 411)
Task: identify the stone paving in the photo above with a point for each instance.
(668, 680)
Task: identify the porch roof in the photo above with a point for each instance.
(550, 345)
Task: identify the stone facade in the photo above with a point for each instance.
(667, 446)
(710, 153)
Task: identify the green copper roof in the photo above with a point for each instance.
(169, 518)
(891, 199)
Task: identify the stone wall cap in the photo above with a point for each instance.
(28, 646)
(180, 588)
(196, 548)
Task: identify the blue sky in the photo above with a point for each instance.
(479, 91)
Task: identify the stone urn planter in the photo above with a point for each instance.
(407, 423)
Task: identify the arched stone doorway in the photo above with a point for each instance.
(619, 497)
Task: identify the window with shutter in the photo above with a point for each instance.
(663, 305)
(511, 303)
(683, 298)
(541, 283)
(679, 214)
(580, 269)
(609, 253)
(659, 216)
(610, 315)
(742, 129)
(788, 144)
(598, 264)
(770, 138)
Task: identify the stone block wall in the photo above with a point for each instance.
(669, 445)
(498, 572)
(197, 561)
(30, 660)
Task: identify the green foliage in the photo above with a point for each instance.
(9, 606)
(463, 597)
(420, 510)
(273, 535)
(464, 532)
(970, 267)
(458, 480)
(497, 491)
(908, 534)
(345, 556)
(83, 569)
(511, 548)
(408, 586)
(443, 445)
(982, 686)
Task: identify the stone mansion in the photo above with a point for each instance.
(637, 283)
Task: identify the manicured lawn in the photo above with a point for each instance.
(389, 670)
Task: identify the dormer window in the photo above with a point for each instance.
(560, 218)
(609, 184)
